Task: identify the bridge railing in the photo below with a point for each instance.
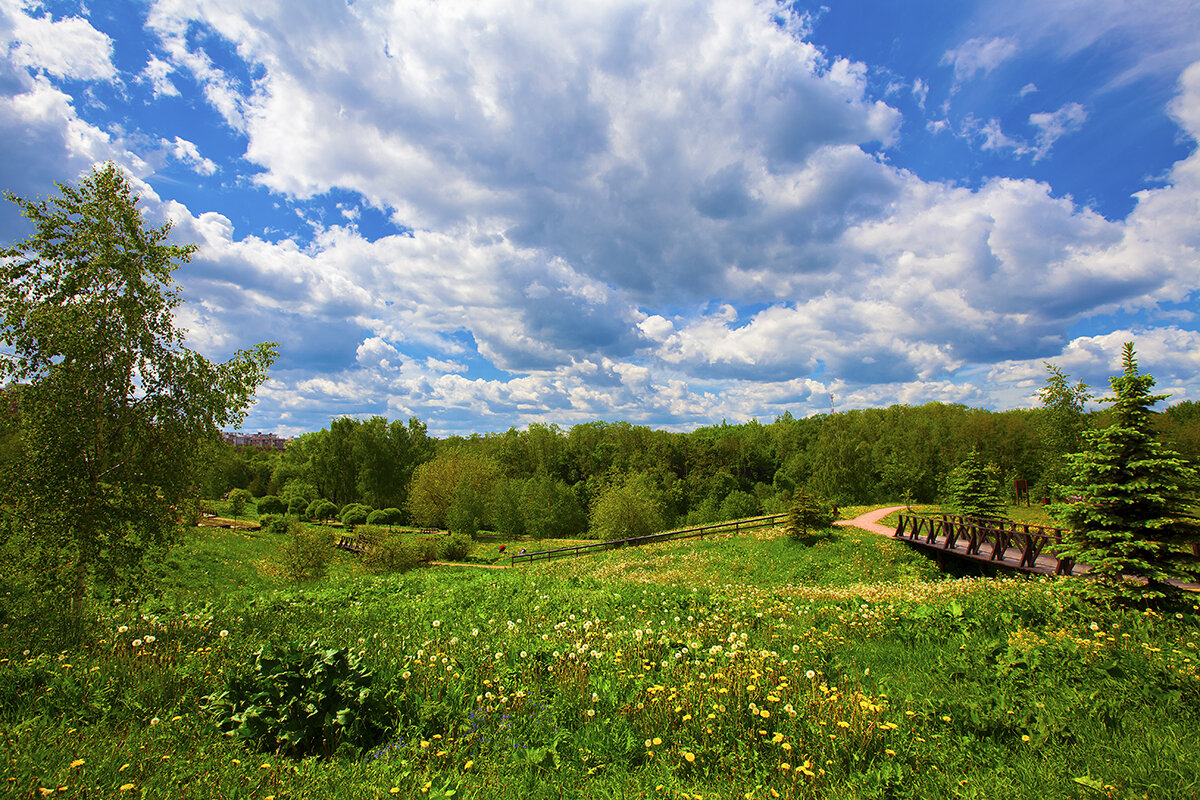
(988, 540)
(736, 526)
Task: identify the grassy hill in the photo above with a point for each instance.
(735, 667)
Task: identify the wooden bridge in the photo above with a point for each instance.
(1015, 546)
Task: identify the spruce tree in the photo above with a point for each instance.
(973, 487)
(1132, 521)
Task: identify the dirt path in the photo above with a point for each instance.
(870, 521)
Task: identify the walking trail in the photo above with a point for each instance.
(870, 521)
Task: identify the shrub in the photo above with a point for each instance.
(355, 514)
(809, 520)
(390, 554)
(302, 701)
(428, 548)
(270, 504)
(321, 510)
(456, 547)
(297, 506)
(306, 553)
(385, 516)
(273, 523)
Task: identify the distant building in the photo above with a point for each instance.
(258, 439)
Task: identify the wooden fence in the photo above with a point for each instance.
(687, 533)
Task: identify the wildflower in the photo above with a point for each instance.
(225, 633)
(125, 787)
(689, 757)
(123, 629)
(155, 721)
(810, 674)
(137, 642)
(437, 623)
(77, 763)
(149, 640)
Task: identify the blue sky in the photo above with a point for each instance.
(673, 213)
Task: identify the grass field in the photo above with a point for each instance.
(740, 666)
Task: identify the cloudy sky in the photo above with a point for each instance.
(492, 213)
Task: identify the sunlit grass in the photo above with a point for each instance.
(741, 665)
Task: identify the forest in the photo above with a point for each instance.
(543, 480)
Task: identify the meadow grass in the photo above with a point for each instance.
(738, 666)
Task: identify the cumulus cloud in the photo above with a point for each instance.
(65, 48)
(188, 154)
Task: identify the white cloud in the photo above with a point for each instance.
(66, 48)
(188, 154)
(1054, 125)
(978, 55)
(157, 72)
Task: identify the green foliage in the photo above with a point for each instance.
(809, 519)
(238, 500)
(385, 516)
(298, 506)
(355, 514)
(270, 504)
(738, 505)
(973, 488)
(1062, 425)
(115, 410)
(627, 510)
(306, 553)
(550, 509)
(454, 491)
(304, 701)
(1132, 518)
(456, 547)
(274, 523)
(321, 509)
(392, 553)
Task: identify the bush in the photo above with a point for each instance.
(270, 504)
(456, 547)
(306, 553)
(385, 516)
(321, 510)
(273, 523)
(809, 520)
(355, 514)
(297, 506)
(390, 554)
(428, 548)
(302, 701)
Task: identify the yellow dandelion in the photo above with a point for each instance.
(264, 765)
(689, 757)
(77, 763)
(657, 741)
(777, 738)
(394, 790)
(125, 787)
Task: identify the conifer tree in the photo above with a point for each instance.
(1133, 523)
(973, 487)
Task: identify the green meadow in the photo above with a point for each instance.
(739, 666)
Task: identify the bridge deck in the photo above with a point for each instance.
(1013, 546)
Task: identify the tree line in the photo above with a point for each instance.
(547, 481)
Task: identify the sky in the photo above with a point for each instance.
(675, 213)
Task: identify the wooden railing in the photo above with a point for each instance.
(1012, 545)
(686, 533)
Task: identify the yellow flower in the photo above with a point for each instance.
(264, 765)
(689, 757)
(777, 738)
(394, 790)
(125, 787)
(945, 719)
(77, 763)
(657, 741)
(1025, 737)
(468, 765)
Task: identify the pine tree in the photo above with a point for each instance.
(973, 487)
(809, 519)
(1133, 521)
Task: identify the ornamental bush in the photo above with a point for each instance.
(355, 514)
(385, 516)
(270, 504)
(304, 701)
(321, 510)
